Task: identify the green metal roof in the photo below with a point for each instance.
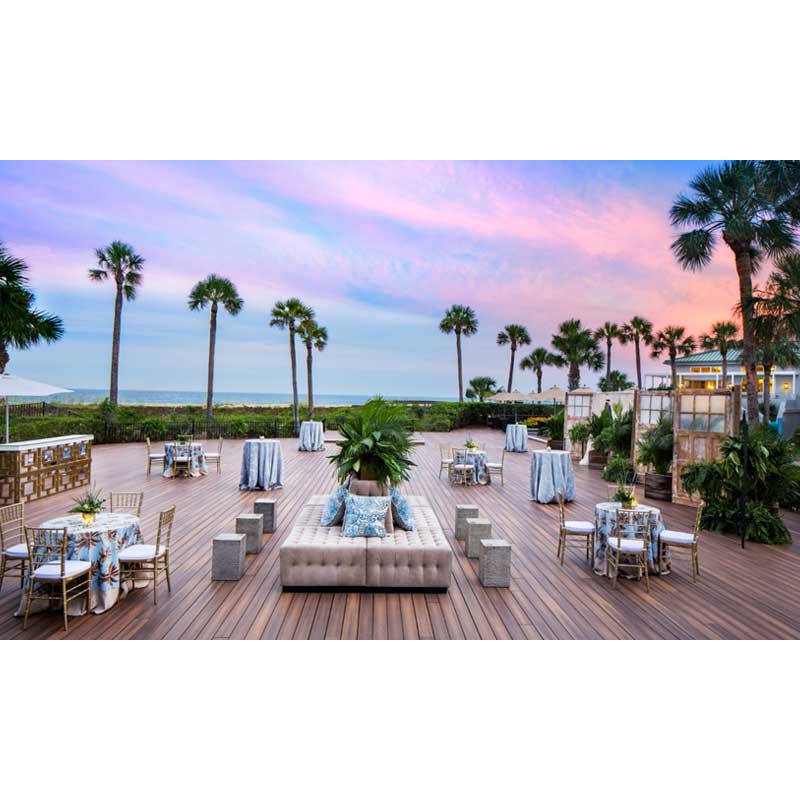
(709, 357)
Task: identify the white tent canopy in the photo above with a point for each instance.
(510, 397)
(551, 395)
(14, 386)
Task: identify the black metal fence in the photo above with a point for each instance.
(158, 430)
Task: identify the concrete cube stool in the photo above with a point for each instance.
(495, 564)
(252, 526)
(463, 513)
(477, 528)
(269, 510)
(227, 556)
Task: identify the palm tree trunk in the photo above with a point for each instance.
(113, 391)
(539, 380)
(458, 358)
(638, 363)
(309, 370)
(295, 408)
(766, 392)
(3, 357)
(673, 365)
(724, 355)
(212, 343)
(608, 359)
(744, 269)
(574, 376)
(511, 369)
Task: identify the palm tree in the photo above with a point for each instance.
(615, 381)
(783, 291)
(122, 263)
(288, 314)
(540, 358)
(575, 347)
(773, 346)
(639, 331)
(461, 321)
(609, 331)
(312, 336)
(741, 203)
(21, 325)
(673, 341)
(722, 337)
(480, 388)
(214, 291)
(515, 335)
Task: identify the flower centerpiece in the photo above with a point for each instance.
(88, 505)
(470, 445)
(625, 494)
(182, 438)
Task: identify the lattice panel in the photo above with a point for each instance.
(42, 472)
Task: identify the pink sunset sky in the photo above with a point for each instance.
(379, 249)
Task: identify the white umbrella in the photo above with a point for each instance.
(14, 386)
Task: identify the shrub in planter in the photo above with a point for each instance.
(772, 483)
(655, 452)
(618, 469)
(579, 434)
(555, 427)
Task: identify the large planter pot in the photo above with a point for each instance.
(556, 444)
(597, 459)
(658, 487)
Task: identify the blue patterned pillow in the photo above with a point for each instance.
(365, 516)
(333, 513)
(402, 513)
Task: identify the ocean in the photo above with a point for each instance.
(159, 398)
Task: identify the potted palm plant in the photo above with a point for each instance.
(598, 423)
(88, 505)
(375, 444)
(579, 434)
(655, 453)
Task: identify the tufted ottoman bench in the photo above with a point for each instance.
(317, 556)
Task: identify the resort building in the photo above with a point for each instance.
(703, 370)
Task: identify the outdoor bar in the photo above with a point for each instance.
(43, 467)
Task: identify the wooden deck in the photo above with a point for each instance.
(740, 594)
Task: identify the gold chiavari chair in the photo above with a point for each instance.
(150, 559)
(679, 539)
(496, 467)
(153, 458)
(13, 547)
(216, 457)
(52, 573)
(126, 503)
(462, 472)
(445, 460)
(572, 528)
(627, 552)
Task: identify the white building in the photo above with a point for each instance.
(704, 371)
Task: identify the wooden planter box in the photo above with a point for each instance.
(658, 487)
(556, 444)
(597, 459)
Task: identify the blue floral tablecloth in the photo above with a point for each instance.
(551, 473)
(99, 542)
(478, 459)
(311, 437)
(262, 465)
(196, 454)
(517, 438)
(605, 516)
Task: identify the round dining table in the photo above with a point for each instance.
(194, 455)
(551, 474)
(605, 520)
(262, 465)
(99, 542)
(311, 437)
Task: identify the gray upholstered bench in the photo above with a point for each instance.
(316, 556)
